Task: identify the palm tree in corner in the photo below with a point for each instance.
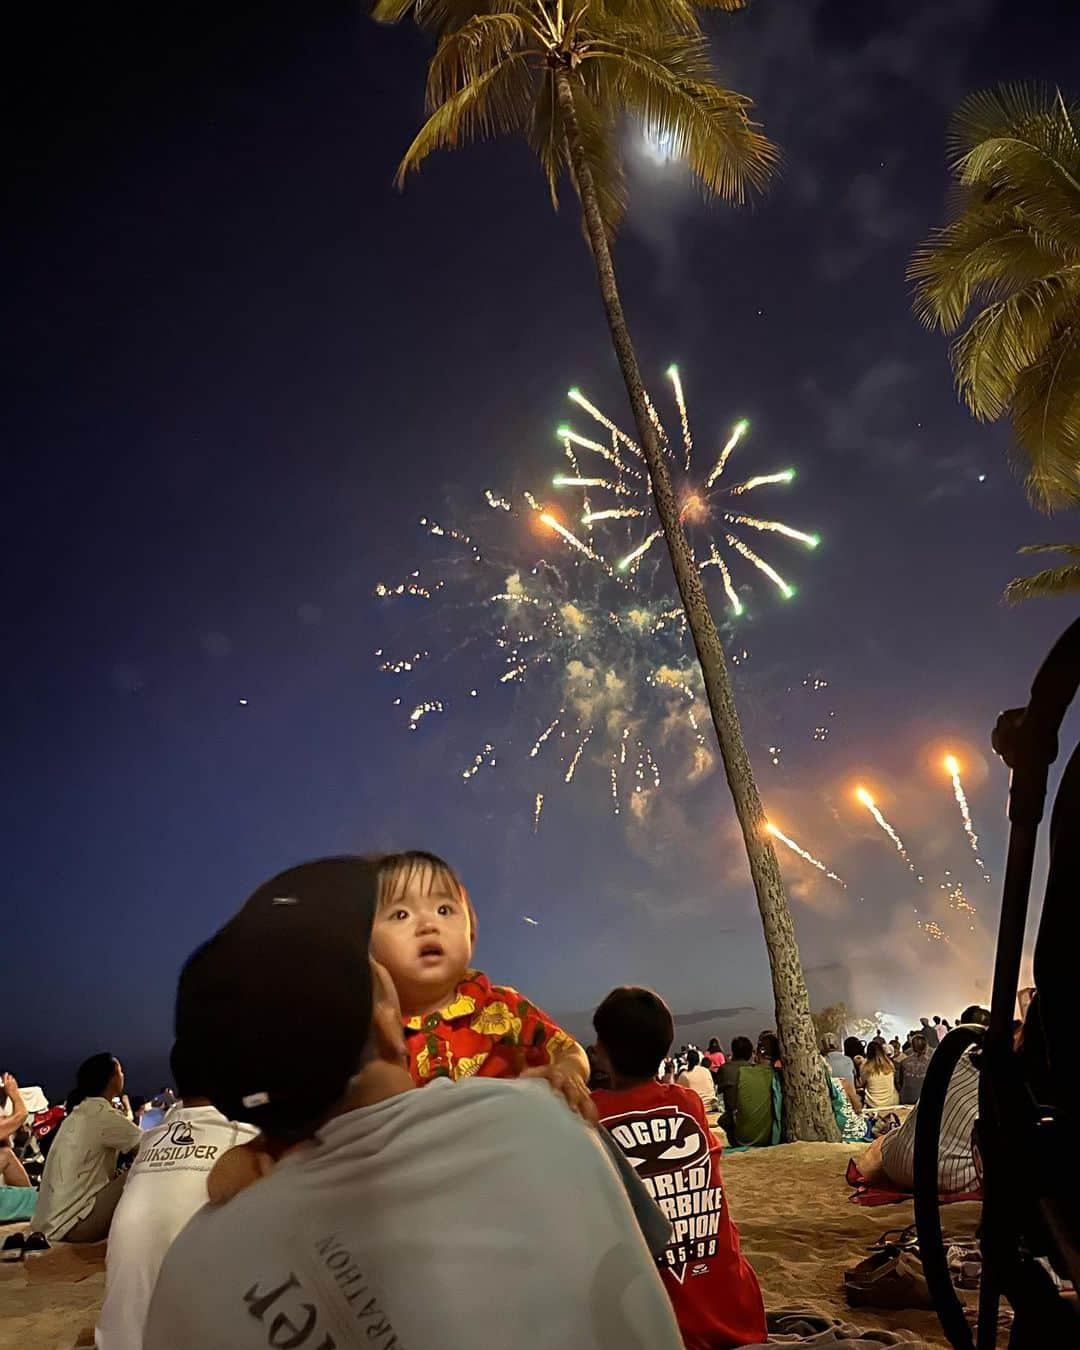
(1004, 274)
(561, 73)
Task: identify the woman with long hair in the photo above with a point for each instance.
(878, 1076)
(80, 1187)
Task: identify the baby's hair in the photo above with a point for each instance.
(396, 871)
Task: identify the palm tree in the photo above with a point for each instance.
(1006, 271)
(1052, 581)
(560, 73)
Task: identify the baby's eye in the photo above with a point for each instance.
(400, 914)
(446, 910)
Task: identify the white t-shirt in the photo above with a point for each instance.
(81, 1162)
(34, 1099)
(699, 1080)
(165, 1187)
(460, 1216)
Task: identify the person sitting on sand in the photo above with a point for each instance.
(890, 1159)
(457, 1023)
(912, 1068)
(698, 1079)
(165, 1187)
(768, 1049)
(727, 1081)
(840, 1065)
(81, 1183)
(878, 1078)
(856, 1052)
(665, 1135)
(13, 1109)
(17, 1199)
(755, 1115)
(480, 1213)
(714, 1057)
(847, 1108)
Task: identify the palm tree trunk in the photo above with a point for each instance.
(807, 1110)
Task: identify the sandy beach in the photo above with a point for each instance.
(798, 1226)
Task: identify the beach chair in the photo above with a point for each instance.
(1028, 1132)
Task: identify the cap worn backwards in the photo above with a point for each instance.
(276, 1008)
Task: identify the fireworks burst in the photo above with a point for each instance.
(575, 614)
(705, 503)
(865, 798)
(957, 900)
(952, 768)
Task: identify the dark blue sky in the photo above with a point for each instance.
(240, 365)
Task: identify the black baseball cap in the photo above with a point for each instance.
(274, 1011)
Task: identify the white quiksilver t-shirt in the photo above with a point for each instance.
(165, 1187)
(460, 1216)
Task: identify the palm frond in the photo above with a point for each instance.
(1007, 109)
(1046, 419)
(1037, 189)
(1053, 581)
(983, 255)
(493, 104)
(1008, 338)
(665, 81)
(654, 14)
(1073, 550)
(391, 11)
(545, 135)
(441, 17)
(471, 51)
(599, 144)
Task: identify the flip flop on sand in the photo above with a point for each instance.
(891, 1277)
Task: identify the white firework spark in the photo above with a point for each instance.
(575, 603)
(952, 768)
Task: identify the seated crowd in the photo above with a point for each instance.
(340, 1197)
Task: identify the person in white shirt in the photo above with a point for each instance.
(468, 1216)
(80, 1186)
(165, 1187)
(697, 1077)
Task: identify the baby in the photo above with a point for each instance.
(457, 1023)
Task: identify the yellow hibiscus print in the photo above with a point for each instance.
(560, 1043)
(423, 1063)
(465, 1068)
(462, 1006)
(497, 1020)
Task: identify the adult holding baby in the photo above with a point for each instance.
(397, 1209)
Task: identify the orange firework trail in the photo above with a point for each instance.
(802, 853)
(865, 798)
(952, 768)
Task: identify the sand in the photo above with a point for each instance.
(799, 1230)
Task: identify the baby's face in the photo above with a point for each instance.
(423, 939)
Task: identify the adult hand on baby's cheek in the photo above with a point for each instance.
(570, 1085)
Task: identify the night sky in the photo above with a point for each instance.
(240, 366)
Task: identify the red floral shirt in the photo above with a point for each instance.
(486, 1029)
